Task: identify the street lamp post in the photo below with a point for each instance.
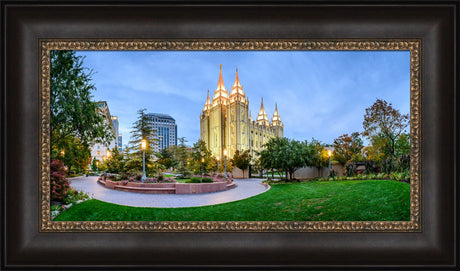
(329, 152)
(143, 146)
(201, 168)
(103, 159)
(217, 165)
(225, 157)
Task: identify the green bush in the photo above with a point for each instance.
(73, 196)
(160, 177)
(198, 180)
(332, 173)
(351, 170)
(184, 175)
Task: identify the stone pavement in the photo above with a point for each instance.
(245, 188)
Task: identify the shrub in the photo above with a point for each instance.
(351, 169)
(199, 180)
(59, 184)
(185, 175)
(207, 180)
(387, 166)
(332, 173)
(160, 177)
(403, 162)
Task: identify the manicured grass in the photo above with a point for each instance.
(368, 200)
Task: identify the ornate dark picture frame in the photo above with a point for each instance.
(30, 240)
(414, 46)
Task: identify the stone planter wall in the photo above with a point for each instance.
(168, 188)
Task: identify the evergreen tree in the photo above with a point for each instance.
(142, 130)
(181, 155)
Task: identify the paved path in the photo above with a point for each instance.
(245, 188)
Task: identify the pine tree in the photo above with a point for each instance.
(142, 130)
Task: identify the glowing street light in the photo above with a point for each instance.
(225, 156)
(63, 152)
(108, 153)
(143, 147)
(329, 152)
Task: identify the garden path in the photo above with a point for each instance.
(245, 188)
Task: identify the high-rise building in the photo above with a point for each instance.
(226, 123)
(116, 127)
(102, 151)
(165, 130)
(120, 143)
(118, 139)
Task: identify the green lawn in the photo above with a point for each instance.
(368, 200)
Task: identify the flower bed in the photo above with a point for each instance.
(172, 187)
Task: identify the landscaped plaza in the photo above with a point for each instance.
(225, 165)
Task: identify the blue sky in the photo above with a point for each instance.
(320, 94)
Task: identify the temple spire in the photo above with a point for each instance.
(220, 94)
(237, 88)
(276, 119)
(262, 117)
(207, 105)
(220, 84)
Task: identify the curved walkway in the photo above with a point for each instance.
(245, 188)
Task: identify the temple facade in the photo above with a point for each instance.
(226, 122)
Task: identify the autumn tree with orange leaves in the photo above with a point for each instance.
(348, 148)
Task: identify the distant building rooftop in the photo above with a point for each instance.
(160, 115)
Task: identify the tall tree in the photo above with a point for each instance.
(241, 160)
(347, 148)
(73, 112)
(181, 155)
(382, 120)
(142, 130)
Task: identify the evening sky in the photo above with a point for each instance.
(320, 94)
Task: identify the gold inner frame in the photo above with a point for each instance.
(412, 45)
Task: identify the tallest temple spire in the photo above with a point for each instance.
(220, 93)
(220, 84)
